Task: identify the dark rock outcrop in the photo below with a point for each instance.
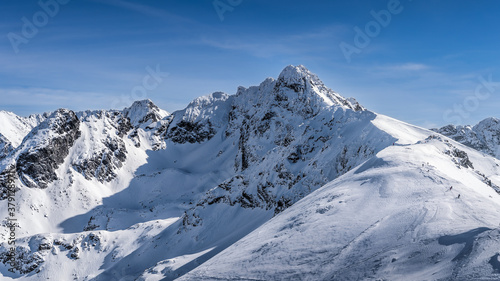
(36, 165)
(5, 147)
(192, 132)
(103, 164)
(484, 137)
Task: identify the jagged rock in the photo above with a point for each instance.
(26, 260)
(107, 151)
(488, 181)
(200, 121)
(124, 126)
(185, 131)
(7, 182)
(75, 253)
(266, 129)
(460, 157)
(5, 147)
(90, 225)
(14, 128)
(227, 158)
(485, 136)
(301, 81)
(144, 112)
(38, 161)
(103, 164)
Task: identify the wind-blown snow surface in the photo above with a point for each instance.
(142, 194)
(390, 218)
(14, 128)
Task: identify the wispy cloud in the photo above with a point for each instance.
(257, 49)
(406, 67)
(412, 66)
(21, 101)
(145, 10)
(270, 45)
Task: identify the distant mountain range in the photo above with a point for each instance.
(485, 136)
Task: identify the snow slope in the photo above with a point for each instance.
(98, 191)
(143, 194)
(390, 218)
(14, 128)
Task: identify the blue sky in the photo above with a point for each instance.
(426, 65)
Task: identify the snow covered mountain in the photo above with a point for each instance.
(392, 218)
(485, 136)
(14, 128)
(285, 180)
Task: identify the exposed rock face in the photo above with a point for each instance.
(308, 93)
(30, 259)
(7, 186)
(282, 129)
(257, 152)
(26, 260)
(185, 131)
(102, 165)
(5, 147)
(107, 151)
(461, 158)
(485, 136)
(46, 148)
(14, 128)
(103, 150)
(200, 121)
(144, 112)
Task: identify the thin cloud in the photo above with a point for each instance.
(261, 50)
(407, 67)
(52, 99)
(293, 44)
(412, 66)
(145, 10)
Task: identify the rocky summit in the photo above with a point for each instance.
(287, 180)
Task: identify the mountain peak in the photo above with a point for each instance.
(489, 122)
(146, 103)
(301, 80)
(293, 75)
(309, 171)
(292, 70)
(143, 111)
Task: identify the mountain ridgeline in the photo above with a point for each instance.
(485, 136)
(145, 194)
